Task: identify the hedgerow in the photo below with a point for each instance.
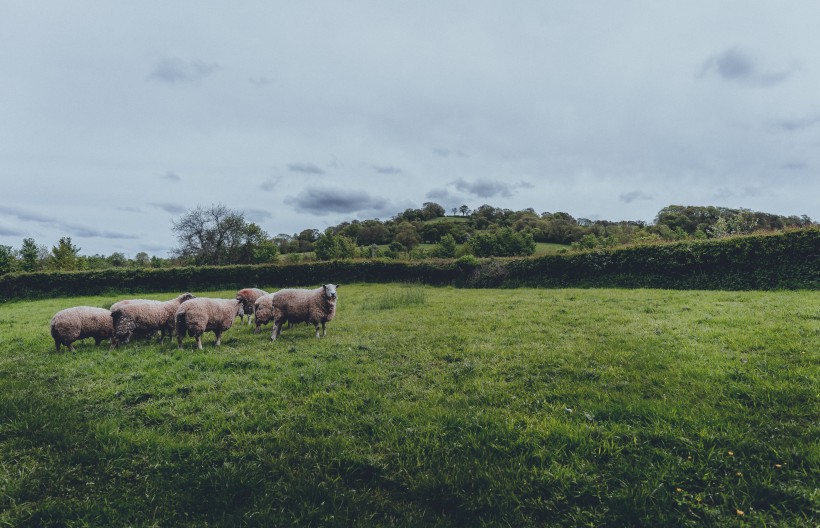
(784, 260)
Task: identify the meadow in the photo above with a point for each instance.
(426, 406)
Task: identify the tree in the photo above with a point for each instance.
(431, 210)
(407, 236)
(6, 259)
(464, 210)
(142, 259)
(332, 247)
(29, 255)
(117, 260)
(216, 236)
(446, 248)
(64, 254)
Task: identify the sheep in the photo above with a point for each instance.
(204, 314)
(263, 311)
(144, 317)
(248, 296)
(80, 322)
(304, 306)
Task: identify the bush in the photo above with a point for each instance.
(785, 260)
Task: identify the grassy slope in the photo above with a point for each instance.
(431, 406)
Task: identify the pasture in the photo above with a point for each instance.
(426, 406)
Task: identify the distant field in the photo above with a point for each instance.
(427, 407)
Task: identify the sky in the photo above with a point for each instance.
(117, 117)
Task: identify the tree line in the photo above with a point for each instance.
(217, 235)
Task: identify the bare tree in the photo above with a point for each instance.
(216, 235)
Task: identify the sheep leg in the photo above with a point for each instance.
(277, 329)
(199, 341)
(218, 337)
(317, 329)
(71, 347)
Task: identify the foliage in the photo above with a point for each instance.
(502, 243)
(446, 248)
(64, 256)
(772, 261)
(217, 235)
(524, 407)
(334, 247)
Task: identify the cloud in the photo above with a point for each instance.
(170, 176)
(446, 153)
(489, 188)
(734, 65)
(794, 125)
(439, 194)
(635, 195)
(174, 69)
(269, 184)
(7, 231)
(169, 207)
(69, 228)
(323, 201)
(387, 170)
(794, 165)
(305, 168)
(257, 215)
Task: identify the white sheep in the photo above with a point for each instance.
(304, 306)
(145, 317)
(204, 314)
(248, 296)
(80, 322)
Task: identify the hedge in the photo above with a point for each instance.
(783, 260)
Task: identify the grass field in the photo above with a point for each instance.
(427, 407)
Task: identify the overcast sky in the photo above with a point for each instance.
(118, 116)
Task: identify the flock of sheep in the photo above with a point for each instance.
(187, 314)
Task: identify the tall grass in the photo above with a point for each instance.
(441, 408)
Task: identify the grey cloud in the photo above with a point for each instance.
(323, 201)
(793, 125)
(175, 69)
(257, 215)
(489, 188)
(635, 195)
(170, 176)
(794, 165)
(169, 207)
(5, 231)
(270, 184)
(260, 81)
(66, 227)
(737, 66)
(439, 194)
(387, 170)
(446, 153)
(305, 168)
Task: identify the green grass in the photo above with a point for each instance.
(427, 407)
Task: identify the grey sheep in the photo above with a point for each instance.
(204, 314)
(145, 317)
(80, 322)
(317, 307)
(248, 296)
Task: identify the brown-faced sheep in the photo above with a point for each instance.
(304, 306)
(80, 322)
(248, 297)
(144, 317)
(204, 314)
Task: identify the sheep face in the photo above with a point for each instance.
(330, 291)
